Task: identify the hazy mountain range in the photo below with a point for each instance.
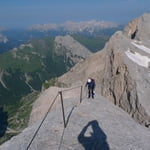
(10, 38)
(76, 27)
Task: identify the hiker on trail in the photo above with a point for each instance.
(91, 86)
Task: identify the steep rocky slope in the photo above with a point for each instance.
(93, 124)
(24, 69)
(31, 64)
(73, 51)
(121, 70)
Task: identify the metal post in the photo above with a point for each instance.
(63, 111)
(81, 94)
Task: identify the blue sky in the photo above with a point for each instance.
(24, 13)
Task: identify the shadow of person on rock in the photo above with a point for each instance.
(3, 122)
(97, 138)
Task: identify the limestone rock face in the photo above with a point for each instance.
(94, 124)
(121, 70)
(126, 80)
(122, 79)
(46, 98)
(93, 66)
(138, 29)
(71, 49)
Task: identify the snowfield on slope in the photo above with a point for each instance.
(138, 58)
(141, 47)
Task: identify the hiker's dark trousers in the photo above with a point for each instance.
(90, 92)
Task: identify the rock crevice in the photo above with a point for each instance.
(119, 87)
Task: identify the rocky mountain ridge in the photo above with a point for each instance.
(24, 69)
(71, 48)
(34, 56)
(121, 70)
(91, 29)
(104, 127)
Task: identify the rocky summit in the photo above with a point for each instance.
(93, 124)
(73, 50)
(122, 74)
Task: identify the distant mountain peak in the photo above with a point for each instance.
(3, 39)
(71, 46)
(138, 29)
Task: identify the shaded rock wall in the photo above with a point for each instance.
(120, 88)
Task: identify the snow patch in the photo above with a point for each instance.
(1, 80)
(138, 58)
(28, 79)
(25, 45)
(142, 47)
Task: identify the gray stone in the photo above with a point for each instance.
(73, 50)
(93, 124)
